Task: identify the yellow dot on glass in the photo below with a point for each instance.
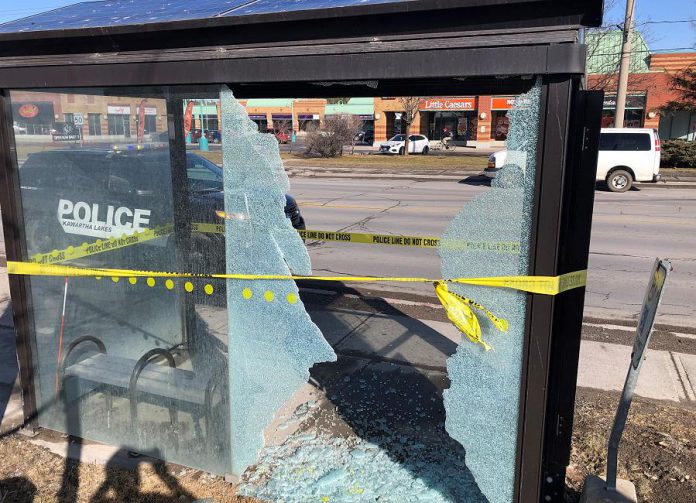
(84, 245)
(54, 253)
(208, 289)
(269, 296)
(188, 286)
(247, 293)
(98, 278)
(150, 282)
(169, 284)
(115, 279)
(132, 281)
(292, 298)
(70, 249)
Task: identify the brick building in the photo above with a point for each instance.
(99, 117)
(479, 121)
(649, 84)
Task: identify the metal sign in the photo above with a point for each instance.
(65, 131)
(78, 119)
(650, 304)
(653, 296)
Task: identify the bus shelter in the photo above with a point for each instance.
(164, 296)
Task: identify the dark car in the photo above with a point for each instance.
(80, 196)
(204, 176)
(212, 135)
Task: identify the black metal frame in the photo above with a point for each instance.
(564, 187)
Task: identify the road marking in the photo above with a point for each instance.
(318, 291)
(624, 328)
(638, 219)
(418, 209)
(344, 206)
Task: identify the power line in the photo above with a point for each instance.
(670, 21)
(648, 51)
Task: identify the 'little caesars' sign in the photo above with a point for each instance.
(448, 104)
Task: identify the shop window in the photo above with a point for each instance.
(308, 124)
(632, 118)
(94, 123)
(119, 125)
(150, 123)
(501, 125)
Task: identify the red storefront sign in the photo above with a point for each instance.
(502, 103)
(29, 111)
(453, 104)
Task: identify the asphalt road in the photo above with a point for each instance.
(629, 231)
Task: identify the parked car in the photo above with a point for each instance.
(283, 136)
(19, 129)
(626, 155)
(418, 144)
(73, 196)
(212, 135)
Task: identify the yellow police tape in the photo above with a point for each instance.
(113, 243)
(385, 239)
(458, 308)
(101, 246)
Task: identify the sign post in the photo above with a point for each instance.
(653, 296)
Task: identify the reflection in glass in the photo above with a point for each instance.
(138, 362)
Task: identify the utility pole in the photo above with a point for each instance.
(625, 68)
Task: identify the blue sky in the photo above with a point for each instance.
(659, 36)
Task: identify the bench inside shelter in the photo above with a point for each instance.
(153, 378)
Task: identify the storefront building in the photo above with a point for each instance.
(634, 115)
(39, 115)
(649, 92)
(363, 109)
(473, 121)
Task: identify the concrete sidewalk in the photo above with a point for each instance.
(297, 169)
(10, 396)
(665, 375)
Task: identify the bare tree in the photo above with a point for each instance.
(338, 130)
(604, 53)
(411, 106)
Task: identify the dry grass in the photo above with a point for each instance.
(657, 452)
(375, 161)
(29, 473)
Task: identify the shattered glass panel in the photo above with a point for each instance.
(273, 341)
(482, 401)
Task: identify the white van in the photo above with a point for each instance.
(626, 155)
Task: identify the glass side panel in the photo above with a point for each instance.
(349, 382)
(108, 200)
